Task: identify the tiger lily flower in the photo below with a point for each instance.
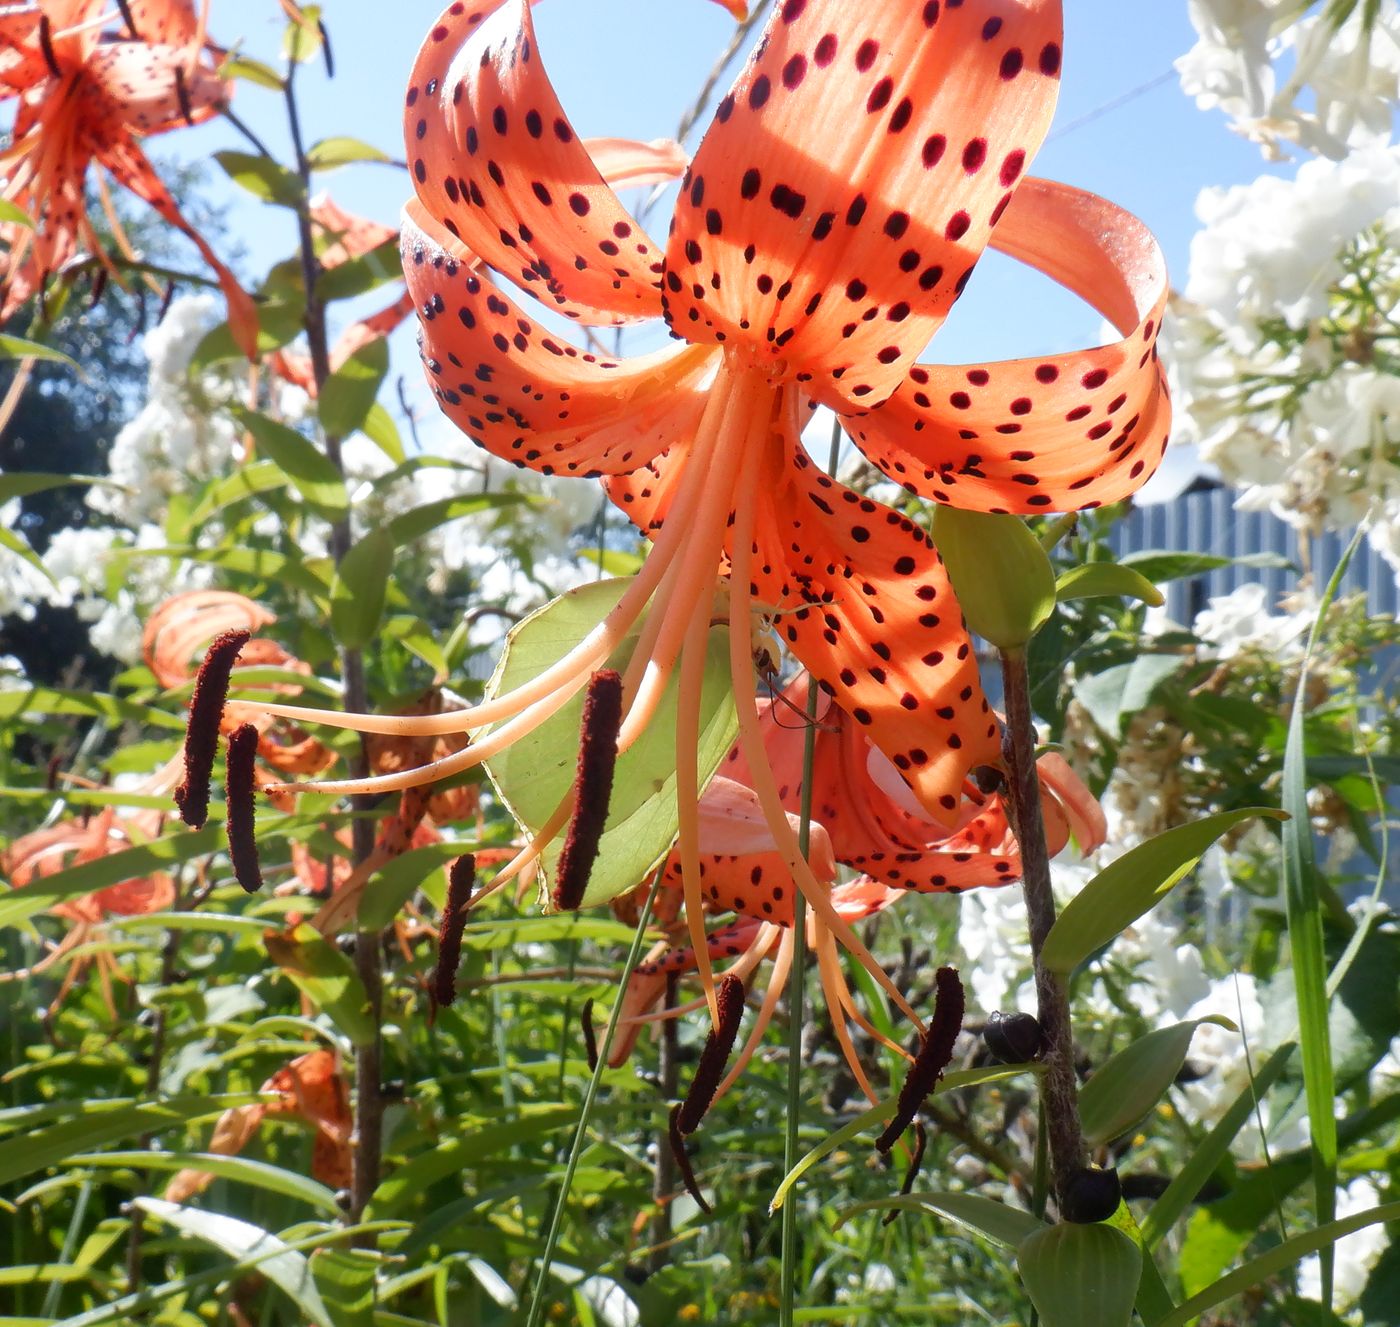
(864, 818)
(85, 95)
(833, 213)
(343, 237)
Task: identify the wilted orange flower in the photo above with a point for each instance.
(84, 94)
(831, 217)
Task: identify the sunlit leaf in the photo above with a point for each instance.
(419, 521)
(262, 177)
(19, 347)
(342, 151)
(1133, 885)
(257, 1174)
(1001, 1224)
(350, 391)
(326, 977)
(379, 427)
(1106, 579)
(535, 773)
(278, 323)
(1003, 577)
(310, 470)
(360, 587)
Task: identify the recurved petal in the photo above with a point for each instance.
(172, 21)
(852, 177)
(527, 397)
(344, 234)
(1058, 432)
(153, 87)
(627, 163)
(496, 161)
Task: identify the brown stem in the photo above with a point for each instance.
(367, 1137)
(1058, 1087)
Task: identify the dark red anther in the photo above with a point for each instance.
(99, 287)
(169, 295)
(128, 20)
(461, 880)
(915, 1163)
(933, 1057)
(730, 998)
(240, 763)
(46, 46)
(182, 92)
(202, 731)
(597, 759)
(590, 1038)
(326, 48)
(682, 1159)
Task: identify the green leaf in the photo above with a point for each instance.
(1304, 906)
(341, 151)
(161, 854)
(261, 564)
(1001, 1224)
(346, 1280)
(535, 773)
(259, 1174)
(252, 71)
(91, 704)
(360, 587)
(21, 483)
(1106, 579)
(279, 322)
(1212, 1150)
(287, 1270)
(11, 214)
(1276, 1260)
(1126, 1088)
(357, 276)
(1154, 1300)
(397, 880)
(1134, 884)
(310, 470)
(87, 1124)
(418, 637)
(1125, 689)
(412, 1180)
(262, 177)
(301, 38)
(1081, 1274)
(878, 1114)
(418, 521)
(246, 482)
(326, 977)
(350, 391)
(1003, 577)
(380, 429)
(1158, 566)
(19, 347)
(17, 546)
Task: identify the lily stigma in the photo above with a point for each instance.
(832, 215)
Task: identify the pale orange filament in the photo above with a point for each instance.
(833, 984)
(782, 965)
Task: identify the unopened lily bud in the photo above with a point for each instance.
(1013, 1038)
(1003, 577)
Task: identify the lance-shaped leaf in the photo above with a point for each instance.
(1133, 885)
(326, 977)
(311, 471)
(1007, 1226)
(339, 150)
(534, 774)
(349, 392)
(360, 587)
(1126, 1088)
(1106, 580)
(1003, 577)
(19, 347)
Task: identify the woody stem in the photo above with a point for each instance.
(369, 1105)
(1058, 1087)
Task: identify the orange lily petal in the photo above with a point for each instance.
(174, 22)
(852, 178)
(348, 236)
(626, 163)
(492, 153)
(1058, 432)
(523, 395)
(142, 80)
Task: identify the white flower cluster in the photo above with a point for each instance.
(1262, 62)
(1282, 351)
(178, 438)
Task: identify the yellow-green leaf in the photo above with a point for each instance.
(326, 977)
(1078, 1275)
(1106, 580)
(1003, 577)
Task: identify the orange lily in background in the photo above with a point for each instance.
(84, 94)
(311, 1088)
(831, 217)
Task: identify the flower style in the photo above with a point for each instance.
(84, 95)
(832, 215)
(864, 818)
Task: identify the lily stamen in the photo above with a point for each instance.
(597, 759)
(240, 803)
(202, 730)
(933, 1058)
(713, 1057)
(461, 879)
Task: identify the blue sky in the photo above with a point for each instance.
(632, 67)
